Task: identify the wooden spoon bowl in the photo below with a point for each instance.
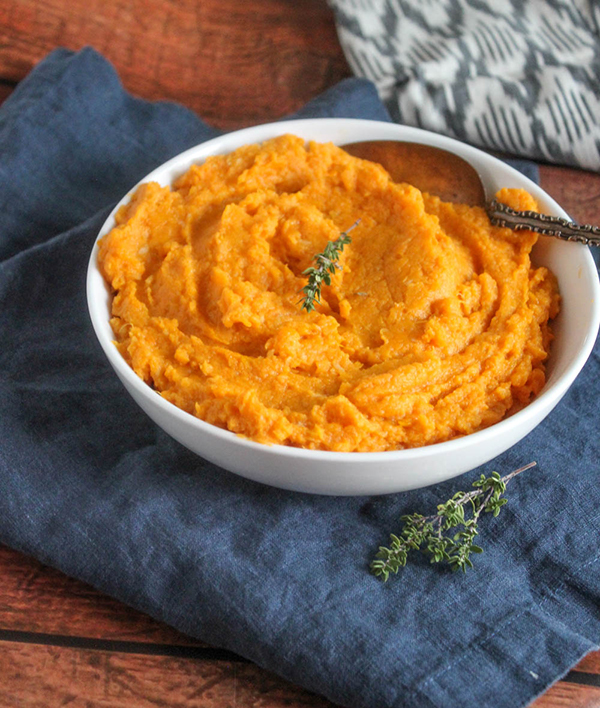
(428, 168)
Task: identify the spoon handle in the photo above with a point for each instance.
(502, 215)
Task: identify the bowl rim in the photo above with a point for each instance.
(538, 408)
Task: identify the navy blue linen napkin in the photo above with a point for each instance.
(91, 486)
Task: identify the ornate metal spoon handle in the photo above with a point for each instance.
(501, 215)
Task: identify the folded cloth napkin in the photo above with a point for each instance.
(91, 486)
(518, 76)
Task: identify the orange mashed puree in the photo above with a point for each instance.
(435, 326)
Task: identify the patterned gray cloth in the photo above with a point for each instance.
(516, 76)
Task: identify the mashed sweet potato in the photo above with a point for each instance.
(436, 325)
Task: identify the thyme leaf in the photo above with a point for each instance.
(325, 265)
(437, 535)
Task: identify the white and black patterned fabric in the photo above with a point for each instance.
(515, 76)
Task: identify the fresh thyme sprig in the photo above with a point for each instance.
(429, 533)
(326, 264)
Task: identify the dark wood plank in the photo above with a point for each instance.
(234, 63)
(591, 663)
(569, 695)
(36, 676)
(577, 191)
(35, 598)
(38, 599)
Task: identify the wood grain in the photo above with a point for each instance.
(577, 191)
(591, 663)
(43, 677)
(234, 63)
(41, 601)
(35, 598)
(569, 695)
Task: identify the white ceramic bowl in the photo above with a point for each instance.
(356, 473)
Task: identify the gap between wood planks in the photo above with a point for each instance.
(185, 652)
(583, 678)
(117, 645)
(7, 86)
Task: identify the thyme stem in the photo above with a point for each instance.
(325, 265)
(427, 532)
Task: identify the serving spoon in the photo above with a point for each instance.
(453, 179)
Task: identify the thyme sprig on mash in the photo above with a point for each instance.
(325, 265)
(436, 535)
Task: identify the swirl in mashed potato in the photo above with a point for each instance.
(435, 326)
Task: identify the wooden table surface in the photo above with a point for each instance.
(236, 63)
